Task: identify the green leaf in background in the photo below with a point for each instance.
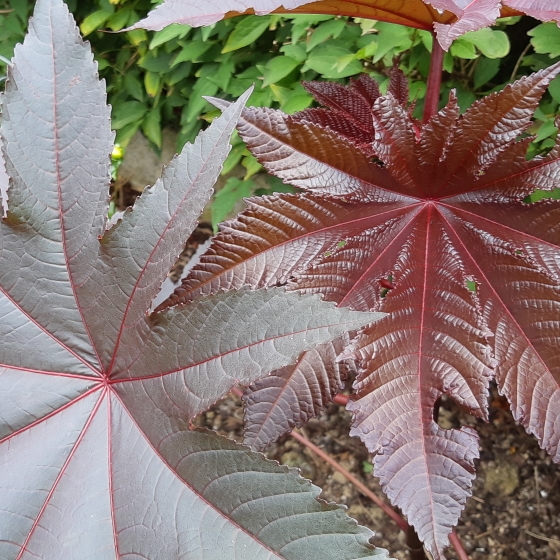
(546, 39)
(247, 31)
(278, 68)
(196, 103)
(151, 127)
(324, 59)
(486, 69)
(172, 31)
(297, 52)
(156, 62)
(220, 74)
(490, 42)
(133, 86)
(554, 89)
(332, 28)
(120, 19)
(293, 99)
(391, 37)
(191, 50)
(251, 165)
(128, 113)
(94, 22)
(302, 23)
(152, 83)
(137, 36)
(463, 49)
(226, 198)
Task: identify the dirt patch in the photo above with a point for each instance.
(516, 496)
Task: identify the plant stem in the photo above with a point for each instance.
(341, 399)
(414, 545)
(351, 478)
(456, 544)
(411, 536)
(431, 102)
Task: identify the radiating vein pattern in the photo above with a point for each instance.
(97, 457)
(437, 235)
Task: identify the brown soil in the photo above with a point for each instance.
(514, 513)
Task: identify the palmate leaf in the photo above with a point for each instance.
(449, 18)
(349, 107)
(97, 458)
(467, 271)
(311, 383)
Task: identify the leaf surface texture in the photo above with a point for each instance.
(439, 238)
(97, 458)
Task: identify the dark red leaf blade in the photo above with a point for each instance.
(96, 454)
(394, 142)
(488, 129)
(312, 382)
(414, 356)
(302, 154)
(438, 265)
(338, 122)
(348, 100)
(524, 274)
(274, 238)
(350, 107)
(434, 143)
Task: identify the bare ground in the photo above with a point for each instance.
(514, 513)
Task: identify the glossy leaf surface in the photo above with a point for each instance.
(467, 271)
(449, 18)
(311, 383)
(97, 459)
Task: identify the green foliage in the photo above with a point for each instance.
(158, 79)
(225, 199)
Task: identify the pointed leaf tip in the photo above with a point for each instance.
(82, 468)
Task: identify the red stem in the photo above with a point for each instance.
(401, 522)
(456, 544)
(351, 478)
(341, 399)
(431, 102)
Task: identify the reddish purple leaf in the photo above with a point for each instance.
(449, 18)
(464, 224)
(97, 458)
(312, 382)
(350, 107)
(262, 247)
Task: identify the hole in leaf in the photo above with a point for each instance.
(471, 285)
(386, 285)
(341, 244)
(447, 413)
(539, 194)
